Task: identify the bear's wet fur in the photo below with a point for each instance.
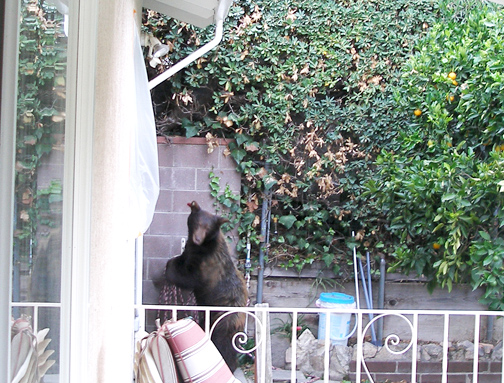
(207, 268)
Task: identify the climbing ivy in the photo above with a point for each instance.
(40, 117)
(305, 88)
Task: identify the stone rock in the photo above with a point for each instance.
(304, 345)
(310, 357)
(317, 359)
(486, 348)
(306, 338)
(310, 354)
(339, 361)
(469, 350)
(307, 345)
(432, 352)
(458, 355)
(339, 366)
(497, 352)
(423, 354)
(369, 351)
(397, 353)
(466, 344)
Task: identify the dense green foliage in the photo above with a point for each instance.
(440, 190)
(319, 97)
(40, 116)
(305, 86)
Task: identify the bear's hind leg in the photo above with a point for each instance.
(223, 335)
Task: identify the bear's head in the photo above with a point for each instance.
(203, 226)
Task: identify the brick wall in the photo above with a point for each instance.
(430, 372)
(184, 167)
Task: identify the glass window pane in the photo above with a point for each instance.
(39, 153)
(41, 323)
(40, 143)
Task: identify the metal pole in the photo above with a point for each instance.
(381, 299)
(264, 241)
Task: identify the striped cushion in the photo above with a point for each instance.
(197, 358)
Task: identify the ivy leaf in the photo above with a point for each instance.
(190, 129)
(241, 138)
(238, 154)
(287, 220)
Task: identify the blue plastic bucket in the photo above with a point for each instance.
(339, 323)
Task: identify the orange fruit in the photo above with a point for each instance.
(417, 112)
(436, 246)
(454, 82)
(452, 75)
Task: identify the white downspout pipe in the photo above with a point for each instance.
(220, 15)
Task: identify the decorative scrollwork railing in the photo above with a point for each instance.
(390, 340)
(241, 336)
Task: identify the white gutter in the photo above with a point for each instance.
(220, 15)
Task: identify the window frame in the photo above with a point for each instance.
(81, 69)
(7, 144)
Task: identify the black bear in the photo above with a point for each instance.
(206, 267)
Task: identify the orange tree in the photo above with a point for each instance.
(306, 87)
(440, 186)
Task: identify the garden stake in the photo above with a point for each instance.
(366, 296)
(370, 289)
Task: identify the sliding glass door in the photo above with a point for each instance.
(33, 167)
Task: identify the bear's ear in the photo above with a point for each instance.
(222, 220)
(194, 206)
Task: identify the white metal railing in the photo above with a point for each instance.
(410, 323)
(35, 306)
(364, 319)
